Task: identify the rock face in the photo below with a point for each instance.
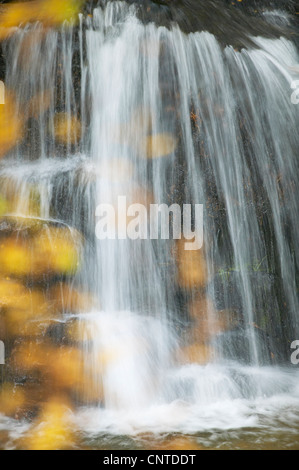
(228, 288)
(244, 18)
(268, 312)
(2, 66)
(235, 344)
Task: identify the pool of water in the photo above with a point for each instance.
(268, 419)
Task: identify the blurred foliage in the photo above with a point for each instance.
(49, 12)
(159, 145)
(12, 399)
(52, 430)
(192, 268)
(67, 128)
(11, 124)
(51, 250)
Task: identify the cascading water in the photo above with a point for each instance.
(176, 341)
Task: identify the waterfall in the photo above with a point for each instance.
(166, 118)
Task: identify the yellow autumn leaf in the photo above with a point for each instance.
(65, 367)
(3, 205)
(19, 323)
(51, 250)
(62, 367)
(49, 12)
(67, 128)
(9, 290)
(56, 249)
(11, 398)
(192, 268)
(11, 125)
(158, 145)
(15, 258)
(53, 429)
(196, 354)
(11, 16)
(54, 12)
(30, 355)
(15, 295)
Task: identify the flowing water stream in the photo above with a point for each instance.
(193, 343)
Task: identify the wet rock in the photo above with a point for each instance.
(227, 289)
(261, 299)
(232, 24)
(239, 344)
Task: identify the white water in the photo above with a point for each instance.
(138, 80)
(145, 390)
(209, 406)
